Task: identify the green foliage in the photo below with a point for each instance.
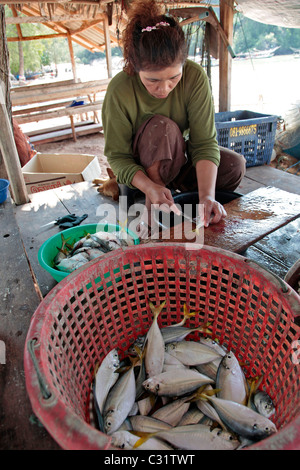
(250, 35)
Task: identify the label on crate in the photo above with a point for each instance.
(243, 130)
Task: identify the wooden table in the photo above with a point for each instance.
(25, 283)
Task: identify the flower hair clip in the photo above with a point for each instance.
(151, 28)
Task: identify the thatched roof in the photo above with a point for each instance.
(92, 23)
(89, 23)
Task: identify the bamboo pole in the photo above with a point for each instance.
(72, 57)
(10, 155)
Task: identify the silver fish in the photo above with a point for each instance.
(192, 416)
(210, 368)
(145, 405)
(71, 264)
(263, 404)
(170, 384)
(242, 420)
(177, 333)
(191, 353)
(119, 401)
(198, 437)
(173, 411)
(231, 380)
(208, 409)
(171, 363)
(106, 377)
(155, 346)
(148, 424)
(126, 440)
(213, 344)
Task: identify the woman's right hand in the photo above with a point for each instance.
(161, 197)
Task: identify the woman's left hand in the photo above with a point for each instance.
(211, 211)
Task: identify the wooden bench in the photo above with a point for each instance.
(53, 100)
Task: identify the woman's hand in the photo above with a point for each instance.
(210, 211)
(161, 197)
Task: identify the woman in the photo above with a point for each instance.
(158, 119)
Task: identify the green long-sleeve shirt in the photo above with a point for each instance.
(128, 104)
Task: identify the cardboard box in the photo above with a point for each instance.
(48, 171)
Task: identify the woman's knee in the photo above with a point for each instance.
(232, 169)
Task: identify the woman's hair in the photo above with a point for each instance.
(151, 40)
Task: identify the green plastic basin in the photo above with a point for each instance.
(49, 248)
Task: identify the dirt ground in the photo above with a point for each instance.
(92, 144)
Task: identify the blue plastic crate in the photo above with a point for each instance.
(248, 133)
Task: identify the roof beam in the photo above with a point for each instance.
(32, 38)
(47, 19)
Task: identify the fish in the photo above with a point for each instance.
(186, 315)
(146, 404)
(209, 368)
(106, 376)
(171, 363)
(141, 374)
(263, 404)
(192, 416)
(126, 440)
(197, 437)
(208, 409)
(170, 384)
(178, 333)
(242, 420)
(119, 401)
(154, 344)
(63, 251)
(231, 380)
(211, 343)
(191, 353)
(173, 411)
(148, 424)
(71, 264)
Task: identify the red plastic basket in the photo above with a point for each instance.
(105, 305)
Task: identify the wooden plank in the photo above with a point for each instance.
(269, 176)
(57, 113)
(60, 92)
(57, 128)
(249, 219)
(46, 206)
(247, 185)
(83, 198)
(18, 301)
(65, 134)
(26, 110)
(268, 262)
(43, 207)
(225, 59)
(10, 154)
(283, 244)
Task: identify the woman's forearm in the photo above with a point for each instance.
(210, 211)
(206, 177)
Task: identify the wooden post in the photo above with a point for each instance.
(72, 56)
(10, 155)
(107, 47)
(225, 59)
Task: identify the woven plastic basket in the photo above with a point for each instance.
(105, 305)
